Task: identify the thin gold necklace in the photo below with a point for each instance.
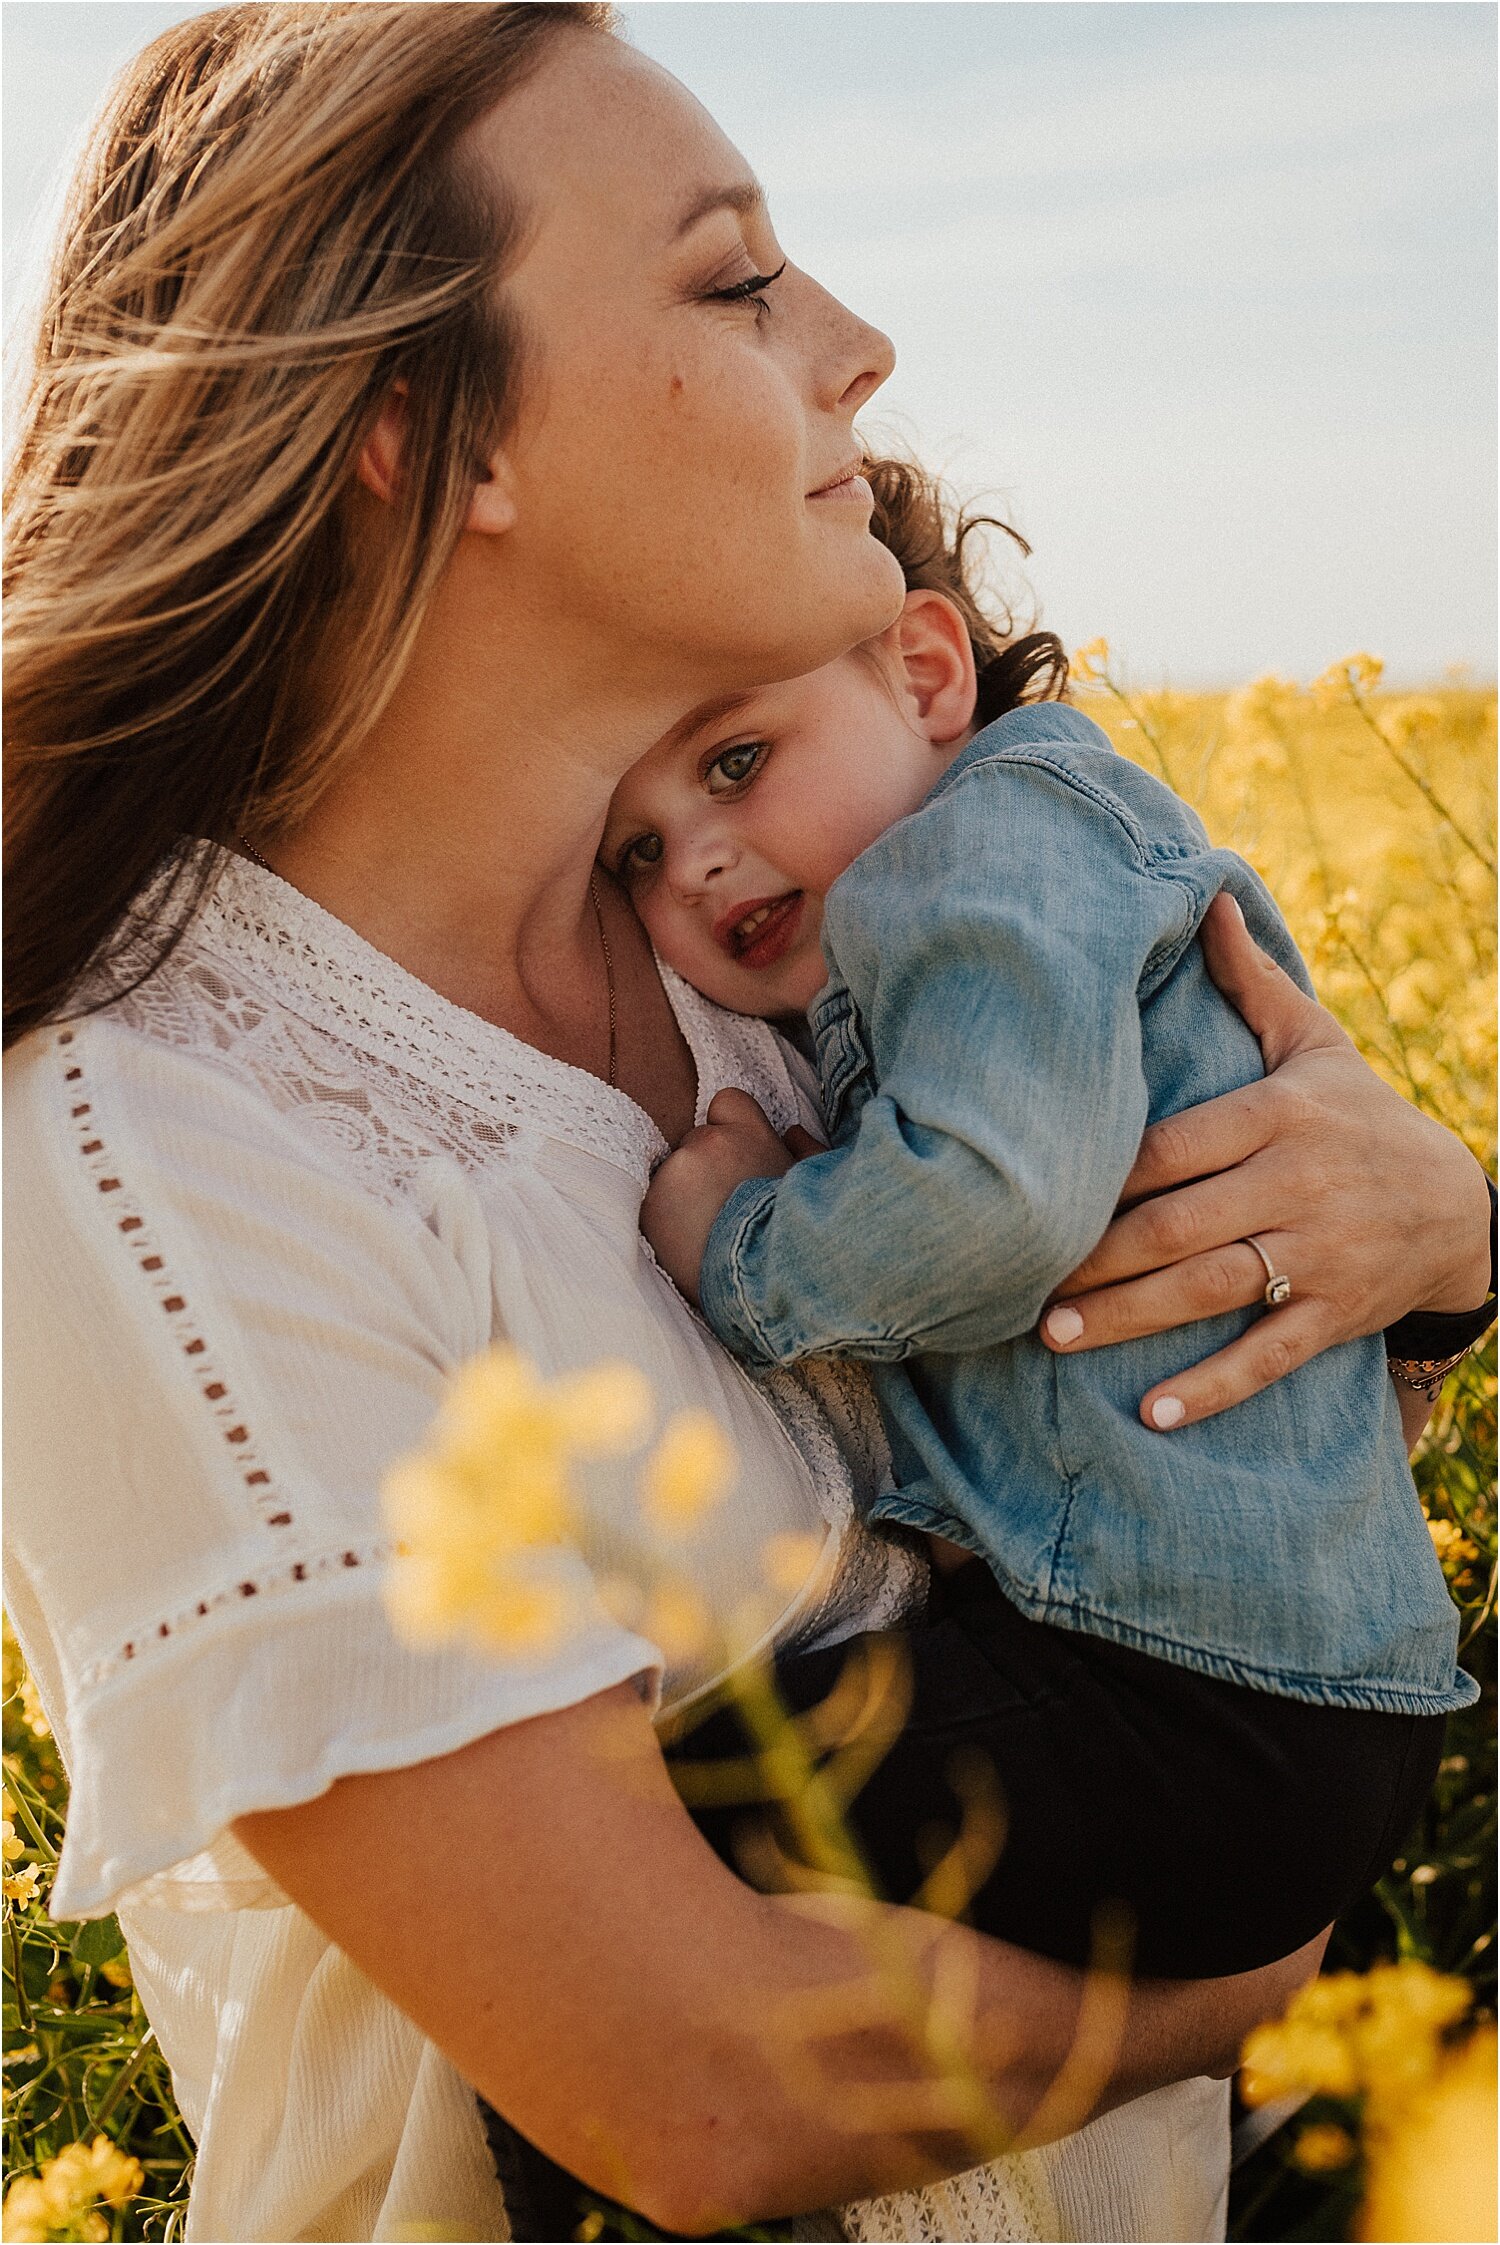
(609, 973)
(255, 858)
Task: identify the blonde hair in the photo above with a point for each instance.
(268, 230)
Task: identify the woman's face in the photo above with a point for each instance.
(686, 507)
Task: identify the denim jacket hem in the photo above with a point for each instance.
(1373, 1695)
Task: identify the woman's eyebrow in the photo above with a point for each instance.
(749, 200)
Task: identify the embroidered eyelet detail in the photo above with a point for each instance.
(383, 1075)
(270, 1582)
(135, 1236)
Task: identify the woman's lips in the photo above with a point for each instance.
(848, 485)
(762, 931)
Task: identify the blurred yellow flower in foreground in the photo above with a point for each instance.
(1323, 2148)
(689, 1471)
(677, 1620)
(1376, 2033)
(788, 1559)
(481, 1514)
(63, 2201)
(1426, 2102)
(1432, 2166)
(1355, 674)
(1091, 662)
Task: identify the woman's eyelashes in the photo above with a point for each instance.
(751, 290)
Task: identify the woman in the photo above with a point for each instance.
(414, 440)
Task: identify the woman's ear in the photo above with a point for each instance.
(379, 463)
(492, 506)
(930, 641)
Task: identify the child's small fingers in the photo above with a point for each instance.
(1275, 1345)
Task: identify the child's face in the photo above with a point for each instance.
(729, 833)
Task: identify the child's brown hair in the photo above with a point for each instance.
(929, 532)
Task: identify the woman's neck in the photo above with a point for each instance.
(460, 838)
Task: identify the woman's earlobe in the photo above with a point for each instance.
(492, 504)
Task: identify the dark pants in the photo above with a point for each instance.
(1223, 1827)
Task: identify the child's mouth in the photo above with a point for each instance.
(764, 930)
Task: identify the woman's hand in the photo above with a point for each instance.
(1369, 1207)
(683, 1199)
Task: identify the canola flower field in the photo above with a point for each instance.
(1371, 815)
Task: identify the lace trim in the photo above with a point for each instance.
(1003, 2201)
(338, 982)
(731, 1048)
(388, 1076)
(381, 1121)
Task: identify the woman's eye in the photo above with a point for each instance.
(733, 767)
(751, 290)
(643, 851)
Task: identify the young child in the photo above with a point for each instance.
(1210, 1671)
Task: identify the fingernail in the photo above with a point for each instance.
(1168, 1411)
(1063, 1326)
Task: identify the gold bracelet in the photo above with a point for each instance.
(1425, 1374)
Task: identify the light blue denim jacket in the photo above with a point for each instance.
(1015, 993)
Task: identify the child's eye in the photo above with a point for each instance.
(637, 855)
(733, 767)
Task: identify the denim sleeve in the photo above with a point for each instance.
(994, 946)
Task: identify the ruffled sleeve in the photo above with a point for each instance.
(216, 1343)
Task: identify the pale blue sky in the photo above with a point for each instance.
(1205, 293)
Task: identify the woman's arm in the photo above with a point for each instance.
(540, 1904)
(1369, 1207)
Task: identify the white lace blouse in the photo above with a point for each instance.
(256, 1212)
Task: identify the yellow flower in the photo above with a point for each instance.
(1090, 662)
(62, 2201)
(1355, 674)
(491, 1491)
(1379, 2033)
(1455, 1551)
(11, 1845)
(677, 1620)
(1432, 2164)
(20, 1886)
(1323, 2147)
(606, 1410)
(1297, 2056)
(689, 1471)
(787, 1560)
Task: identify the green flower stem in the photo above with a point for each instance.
(18, 1972)
(126, 2076)
(1423, 786)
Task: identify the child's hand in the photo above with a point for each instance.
(691, 1186)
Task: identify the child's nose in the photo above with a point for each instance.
(701, 862)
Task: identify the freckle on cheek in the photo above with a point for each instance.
(675, 388)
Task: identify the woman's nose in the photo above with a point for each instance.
(855, 357)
